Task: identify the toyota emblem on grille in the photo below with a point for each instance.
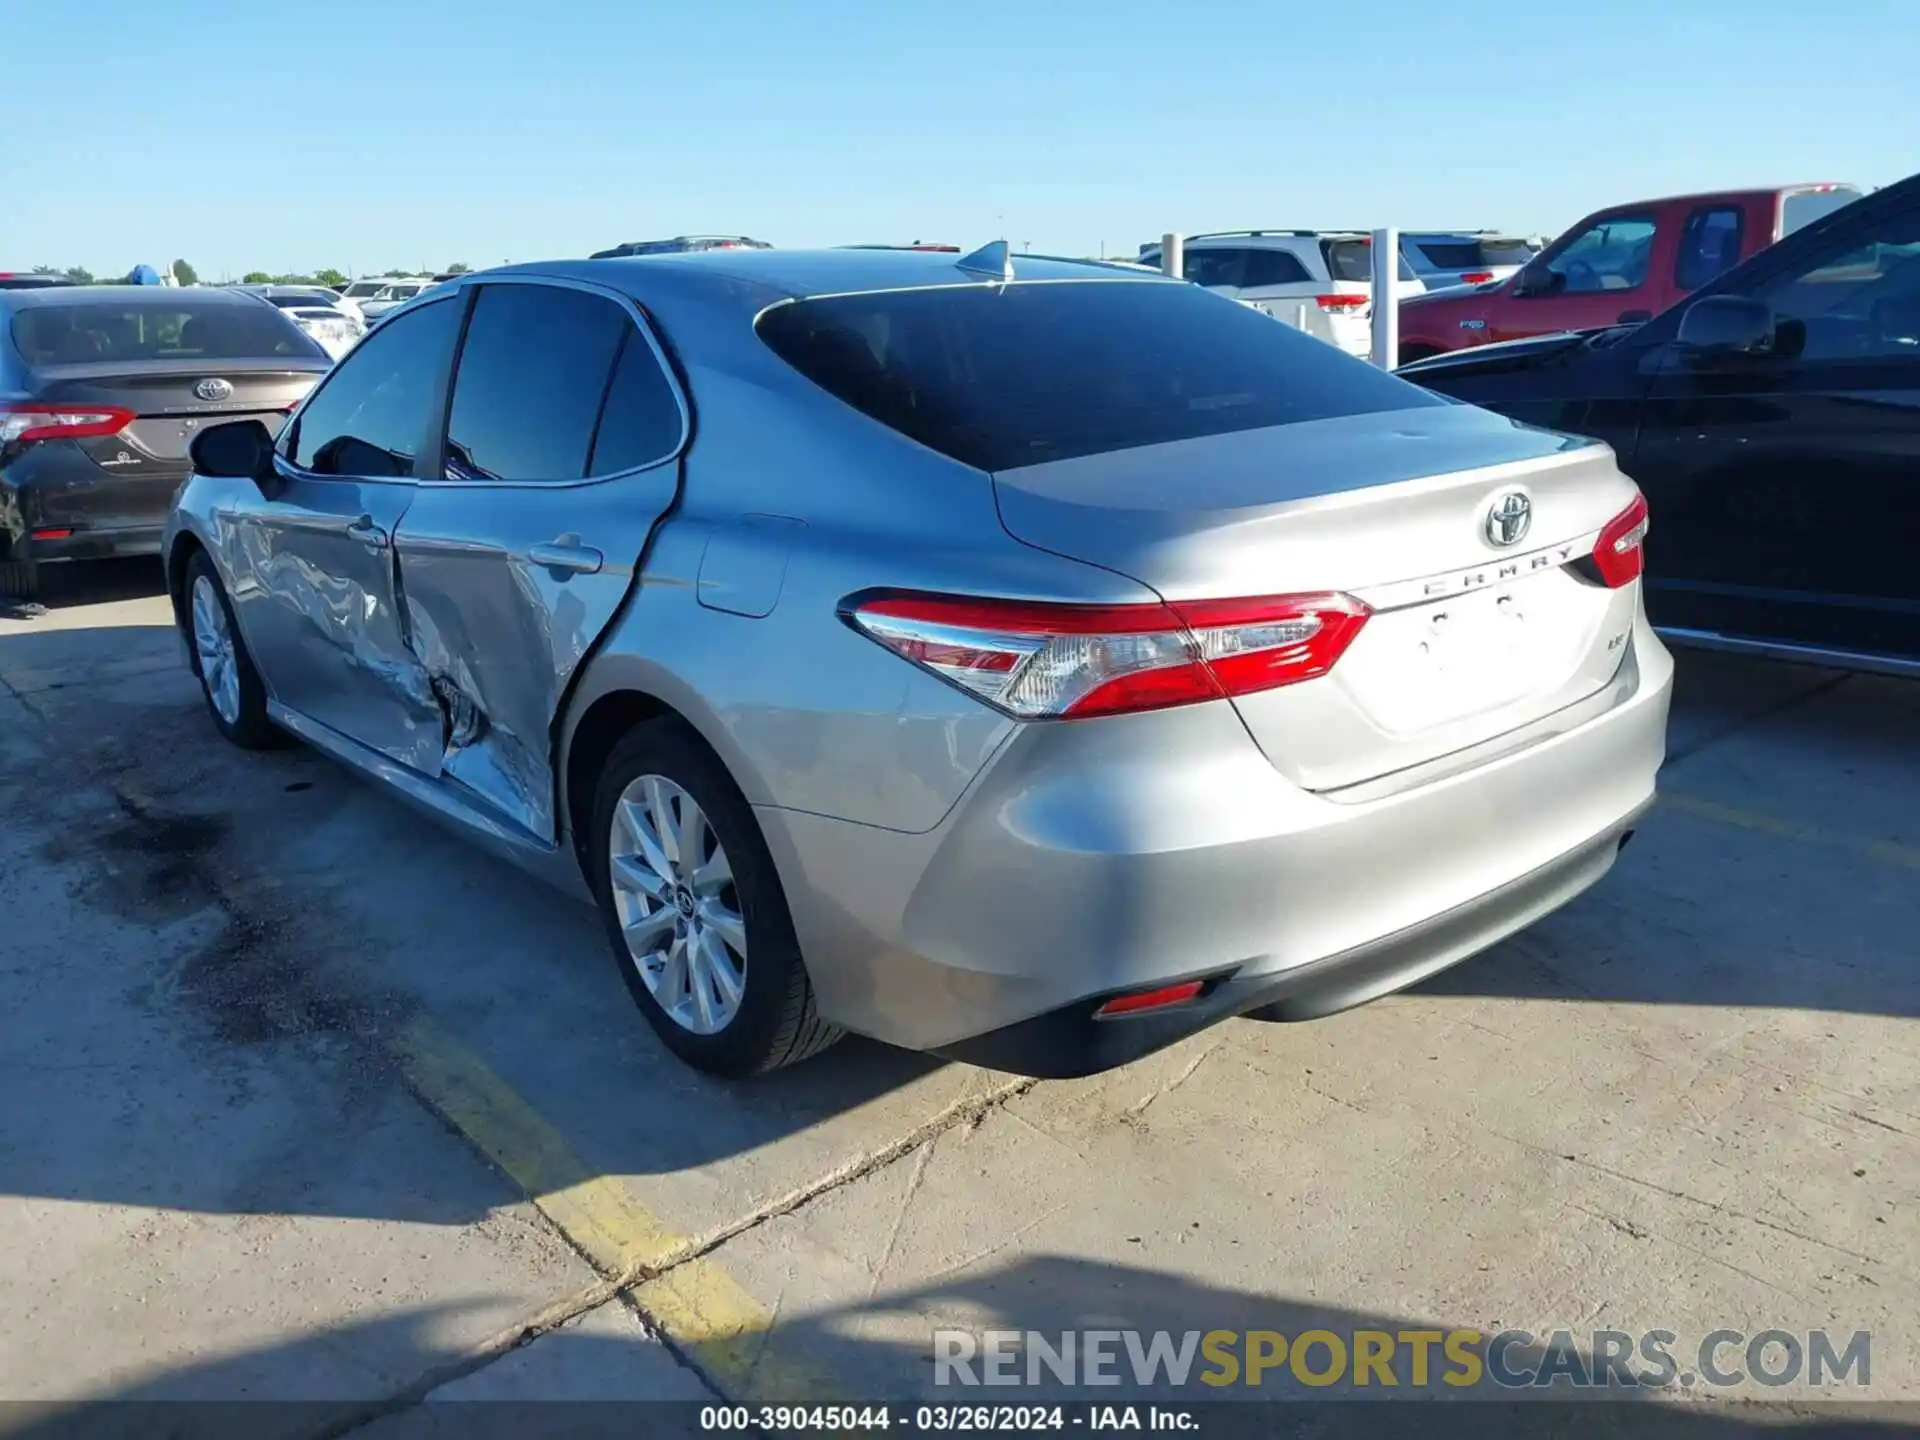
(1509, 517)
(214, 389)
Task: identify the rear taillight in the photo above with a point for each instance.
(23, 421)
(1620, 554)
(1475, 277)
(1039, 661)
(1342, 304)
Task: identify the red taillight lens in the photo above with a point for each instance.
(23, 421)
(1150, 999)
(1039, 661)
(1342, 304)
(1620, 554)
(1475, 277)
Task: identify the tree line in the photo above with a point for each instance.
(186, 274)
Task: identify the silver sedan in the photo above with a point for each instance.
(1029, 661)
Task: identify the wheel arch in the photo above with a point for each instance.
(179, 556)
(617, 693)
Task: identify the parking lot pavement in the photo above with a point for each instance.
(322, 1103)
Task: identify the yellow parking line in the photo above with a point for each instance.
(693, 1301)
(1887, 852)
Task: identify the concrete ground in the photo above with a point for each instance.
(308, 1100)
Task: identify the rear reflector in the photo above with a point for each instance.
(1341, 304)
(1036, 660)
(1620, 554)
(1150, 999)
(50, 534)
(25, 421)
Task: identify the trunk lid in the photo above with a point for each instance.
(168, 411)
(1468, 640)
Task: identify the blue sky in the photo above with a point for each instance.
(418, 132)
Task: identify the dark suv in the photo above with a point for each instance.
(101, 389)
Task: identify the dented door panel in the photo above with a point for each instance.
(313, 583)
(507, 587)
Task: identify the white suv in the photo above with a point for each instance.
(1319, 281)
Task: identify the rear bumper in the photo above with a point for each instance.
(1120, 855)
(83, 545)
(1073, 1040)
(56, 504)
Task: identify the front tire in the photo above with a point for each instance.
(694, 910)
(235, 696)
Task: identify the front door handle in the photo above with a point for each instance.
(567, 553)
(367, 533)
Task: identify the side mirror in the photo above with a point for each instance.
(1723, 325)
(238, 450)
(1533, 279)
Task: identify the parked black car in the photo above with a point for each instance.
(1773, 420)
(101, 389)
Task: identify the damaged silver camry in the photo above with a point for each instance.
(1028, 661)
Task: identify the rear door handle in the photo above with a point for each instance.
(367, 533)
(567, 553)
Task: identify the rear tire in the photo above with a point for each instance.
(20, 579)
(232, 688)
(712, 961)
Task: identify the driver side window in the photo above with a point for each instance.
(1609, 255)
(1855, 299)
(373, 411)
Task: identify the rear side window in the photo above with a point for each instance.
(1801, 208)
(1474, 254)
(371, 415)
(134, 331)
(1353, 260)
(640, 422)
(1274, 267)
(533, 372)
(1215, 267)
(1709, 245)
(1001, 377)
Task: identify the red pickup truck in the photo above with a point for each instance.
(1620, 265)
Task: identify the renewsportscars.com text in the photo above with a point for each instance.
(1457, 1359)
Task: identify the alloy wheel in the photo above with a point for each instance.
(213, 643)
(679, 910)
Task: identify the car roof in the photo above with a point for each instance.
(760, 277)
(104, 295)
(1749, 192)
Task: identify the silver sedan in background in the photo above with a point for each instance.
(1029, 661)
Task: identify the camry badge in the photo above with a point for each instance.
(1509, 518)
(214, 388)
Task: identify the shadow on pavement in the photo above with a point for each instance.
(595, 1378)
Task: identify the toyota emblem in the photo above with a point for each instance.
(214, 388)
(1509, 518)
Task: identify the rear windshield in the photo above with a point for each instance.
(998, 378)
(361, 289)
(292, 302)
(1803, 207)
(160, 330)
(1474, 254)
(1353, 260)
